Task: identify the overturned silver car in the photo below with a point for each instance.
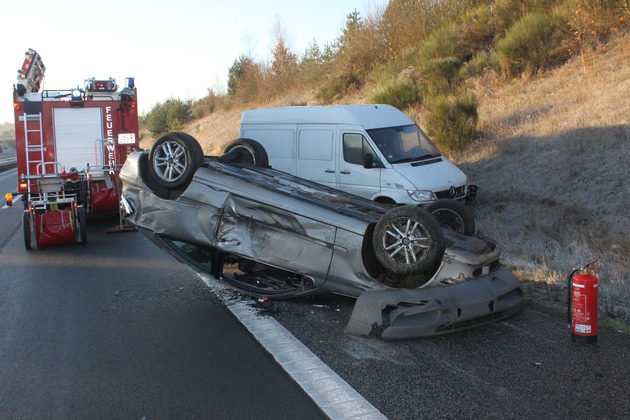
(271, 234)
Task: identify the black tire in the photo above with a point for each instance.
(408, 241)
(246, 151)
(83, 198)
(82, 226)
(452, 214)
(173, 160)
(28, 232)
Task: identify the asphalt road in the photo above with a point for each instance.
(526, 367)
(118, 329)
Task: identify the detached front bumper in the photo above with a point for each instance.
(413, 313)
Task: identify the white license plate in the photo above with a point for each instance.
(127, 138)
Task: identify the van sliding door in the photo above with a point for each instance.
(316, 158)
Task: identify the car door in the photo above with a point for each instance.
(269, 232)
(352, 176)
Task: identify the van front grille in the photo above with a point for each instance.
(454, 192)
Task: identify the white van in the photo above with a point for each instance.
(374, 151)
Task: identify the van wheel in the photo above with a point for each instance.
(246, 151)
(173, 160)
(453, 215)
(408, 240)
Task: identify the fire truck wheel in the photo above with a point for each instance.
(28, 233)
(83, 198)
(453, 215)
(246, 151)
(82, 226)
(408, 240)
(173, 160)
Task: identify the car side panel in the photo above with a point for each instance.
(181, 218)
(276, 237)
(348, 274)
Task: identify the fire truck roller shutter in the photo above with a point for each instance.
(76, 133)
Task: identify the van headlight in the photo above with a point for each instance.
(421, 195)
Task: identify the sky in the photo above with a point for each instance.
(173, 48)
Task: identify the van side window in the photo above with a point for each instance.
(354, 147)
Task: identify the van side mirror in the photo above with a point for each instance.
(368, 161)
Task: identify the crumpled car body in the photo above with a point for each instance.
(270, 234)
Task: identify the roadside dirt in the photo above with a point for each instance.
(526, 367)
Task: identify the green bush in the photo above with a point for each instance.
(451, 120)
(156, 120)
(171, 115)
(441, 43)
(441, 73)
(481, 60)
(507, 12)
(477, 31)
(441, 59)
(526, 45)
(384, 72)
(399, 93)
(178, 114)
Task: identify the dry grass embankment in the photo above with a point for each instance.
(213, 132)
(552, 169)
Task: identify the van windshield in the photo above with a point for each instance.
(406, 143)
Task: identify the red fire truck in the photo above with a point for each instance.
(70, 146)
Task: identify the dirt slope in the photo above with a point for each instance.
(553, 169)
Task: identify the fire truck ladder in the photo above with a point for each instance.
(34, 134)
(44, 183)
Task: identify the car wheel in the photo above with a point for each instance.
(173, 160)
(453, 215)
(408, 240)
(28, 234)
(246, 151)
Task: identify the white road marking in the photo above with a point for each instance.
(336, 398)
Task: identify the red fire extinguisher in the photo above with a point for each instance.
(582, 304)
